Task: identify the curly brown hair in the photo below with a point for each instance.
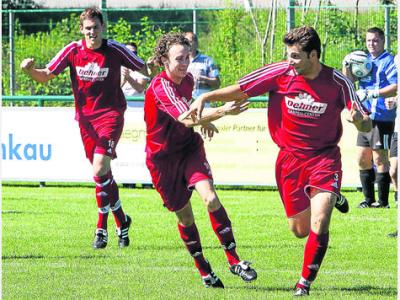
(166, 42)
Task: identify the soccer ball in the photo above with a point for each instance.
(361, 65)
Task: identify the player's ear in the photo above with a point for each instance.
(164, 61)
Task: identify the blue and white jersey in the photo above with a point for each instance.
(205, 66)
(383, 73)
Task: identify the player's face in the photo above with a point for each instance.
(299, 59)
(177, 62)
(375, 44)
(92, 29)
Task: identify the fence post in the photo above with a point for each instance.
(290, 15)
(387, 28)
(105, 15)
(12, 51)
(194, 20)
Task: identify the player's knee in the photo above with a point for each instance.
(393, 172)
(211, 201)
(301, 232)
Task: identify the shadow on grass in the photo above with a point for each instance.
(357, 290)
(31, 256)
(6, 212)
(370, 290)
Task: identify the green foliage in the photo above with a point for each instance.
(228, 36)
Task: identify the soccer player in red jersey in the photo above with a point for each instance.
(305, 103)
(95, 66)
(176, 158)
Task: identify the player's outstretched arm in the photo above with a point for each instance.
(226, 94)
(362, 122)
(212, 114)
(39, 75)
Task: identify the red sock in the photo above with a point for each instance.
(314, 253)
(107, 189)
(223, 229)
(191, 238)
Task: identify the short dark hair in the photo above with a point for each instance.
(306, 37)
(166, 42)
(91, 13)
(378, 31)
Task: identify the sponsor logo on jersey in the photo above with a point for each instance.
(305, 105)
(92, 72)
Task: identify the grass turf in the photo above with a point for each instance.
(47, 254)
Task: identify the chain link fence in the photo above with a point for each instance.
(238, 40)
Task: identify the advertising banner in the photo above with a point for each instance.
(44, 144)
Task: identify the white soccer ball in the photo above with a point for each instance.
(361, 65)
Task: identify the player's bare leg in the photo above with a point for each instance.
(222, 227)
(107, 196)
(191, 238)
(319, 215)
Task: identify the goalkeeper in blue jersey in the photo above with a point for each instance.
(372, 147)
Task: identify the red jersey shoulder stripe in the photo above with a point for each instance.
(345, 83)
(172, 97)
(55, 62)
(270, 70)
(136, 61)
(161, 82)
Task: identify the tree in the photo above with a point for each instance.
(19, 4)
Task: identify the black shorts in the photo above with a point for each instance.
(378, 138)
(393, 145)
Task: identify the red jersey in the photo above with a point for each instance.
(303, 115)
(164, 102)
(95, 75)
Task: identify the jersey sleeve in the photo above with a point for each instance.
(348, 93)
(391, 72)
(129, 59)
(168, 100)
(263, 80)
(62, 59)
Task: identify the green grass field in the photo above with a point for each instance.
(47, 254)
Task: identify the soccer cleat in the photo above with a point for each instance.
(364, 204)
(243, 270)
(212, 281)
(301, 290)
(379, 205)
(392, 235)
(122, 233)
(342, 204)
(100, 238)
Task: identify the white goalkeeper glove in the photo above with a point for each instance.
(366, 95)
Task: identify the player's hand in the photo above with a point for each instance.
(391, 102)
(236, 107)
(125, 72)
(208, 130)
(27, 64)
(363, 123)
(151, 66)
(349, 59)
(195, 109)
(367, 95)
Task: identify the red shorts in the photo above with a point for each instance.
(295, 176)
(175, 175)
(101, 135)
